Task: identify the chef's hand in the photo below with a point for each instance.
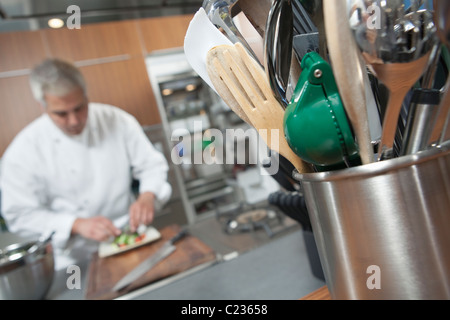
(96, 228)
(142, 211)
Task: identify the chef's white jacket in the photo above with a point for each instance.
(49, 178)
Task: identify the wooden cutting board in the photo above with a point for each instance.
(105, 272)
(319, 294)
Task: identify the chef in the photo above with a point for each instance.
(71, 170)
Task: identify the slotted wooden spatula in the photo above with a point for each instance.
(242, 82)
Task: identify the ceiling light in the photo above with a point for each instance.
(167, 92)
(191, 87)
(55, 23)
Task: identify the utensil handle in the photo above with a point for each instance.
(43, 240)
(422, 114)
(278, 48)
(179, 236)
(299, 164)
(349, 71)
(438, 133)
(390, 123)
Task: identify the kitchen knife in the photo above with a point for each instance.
(166, 249)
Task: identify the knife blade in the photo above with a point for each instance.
(163, 252)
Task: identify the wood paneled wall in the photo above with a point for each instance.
(162, 33)
(110, 55)
(126, 85)
(21, 50)
(95, 41)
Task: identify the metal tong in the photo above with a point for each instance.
(219, 13)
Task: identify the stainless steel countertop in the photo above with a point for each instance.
(278, 270)
(280, 263)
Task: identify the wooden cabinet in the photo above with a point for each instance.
(126, 85)
(94, 41)
(164, 32)
(111, 55)
(21, 50)
(17, 109)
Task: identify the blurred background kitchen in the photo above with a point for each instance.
(131, 53)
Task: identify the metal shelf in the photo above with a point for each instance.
(195, 183)
(212, 195)
(171, 71)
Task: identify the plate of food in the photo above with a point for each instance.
(128, 240)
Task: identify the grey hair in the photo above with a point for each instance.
(56, 77)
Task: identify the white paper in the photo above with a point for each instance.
(201, 36)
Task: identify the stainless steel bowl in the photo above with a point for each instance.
(24, 275)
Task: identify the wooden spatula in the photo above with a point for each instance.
(242, 82)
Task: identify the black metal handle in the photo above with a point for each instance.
(179, 236)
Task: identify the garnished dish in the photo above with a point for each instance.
(128, 240)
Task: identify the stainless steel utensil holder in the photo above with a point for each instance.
(383, 229)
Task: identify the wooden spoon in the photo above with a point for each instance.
(240, 80)
(398, 78)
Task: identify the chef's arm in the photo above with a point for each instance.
(96, 228)
(149, 166)
(23, 203)
(24, 208)
(143, 210)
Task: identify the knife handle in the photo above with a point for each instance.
(179, 236)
